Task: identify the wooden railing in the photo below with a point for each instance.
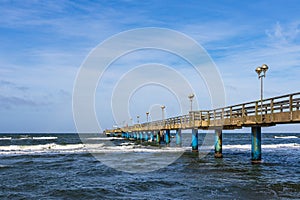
(281, 109)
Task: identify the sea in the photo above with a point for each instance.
(93, 166)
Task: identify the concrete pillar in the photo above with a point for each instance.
(158, 137)
(195, 140)
(218, 143)
(146, 136)
(152, 136)
(141, 136)
(256, 144)
(178, 137)
(167, 136)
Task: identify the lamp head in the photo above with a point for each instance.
(163, 107)
(258, 70)
(191, 96)
(264, 68)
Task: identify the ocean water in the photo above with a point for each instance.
(61, 166)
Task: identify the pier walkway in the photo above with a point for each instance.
(256, 114)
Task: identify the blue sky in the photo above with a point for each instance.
(43, 44)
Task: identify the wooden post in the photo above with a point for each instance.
(230, 114)
(243, 113)
(272, 110)
(256, 111)
(291, 107)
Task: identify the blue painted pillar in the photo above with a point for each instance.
(152, 136)
(141, 135)
(195, 140)
(134, 136)
(167, 137)
(158, 137)
(218, 143)
(146, 136)
(256, 144)
(178, 137)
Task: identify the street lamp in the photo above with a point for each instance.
(147, 114)
(131, 120)
(163, 113)
(261, 72)
(138, 119)
(191, 96)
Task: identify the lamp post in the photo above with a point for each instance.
(147, 114)
(162, 112)
(191, 96)
(261, 72)
(131, 120)
(138, 119)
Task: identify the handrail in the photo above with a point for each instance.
(283, 103)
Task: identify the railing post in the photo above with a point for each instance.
(243, 113)
(256, 111)
(208, 118)
(200, 118)
(230, 114)
(291, 107)
(272, 110)
(222, 115)
(214, 117)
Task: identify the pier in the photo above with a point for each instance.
(256, 114)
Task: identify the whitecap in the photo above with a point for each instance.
(285, 137)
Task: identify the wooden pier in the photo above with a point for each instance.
(256, 114)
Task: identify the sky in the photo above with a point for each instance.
(45, 43)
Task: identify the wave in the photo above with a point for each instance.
(5, 138)
(102, 138)
(285, 137)
(125, 147)
(84, 148)
(42, 148)
(44, 138)
(29, 138)
(264, 146)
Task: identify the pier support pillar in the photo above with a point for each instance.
(195, 140)
(141, 136)
(146, 136)
(158, 137)
(152, 136)
(178, 137)
(167, 136)
(256, 144)
(218, 143)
